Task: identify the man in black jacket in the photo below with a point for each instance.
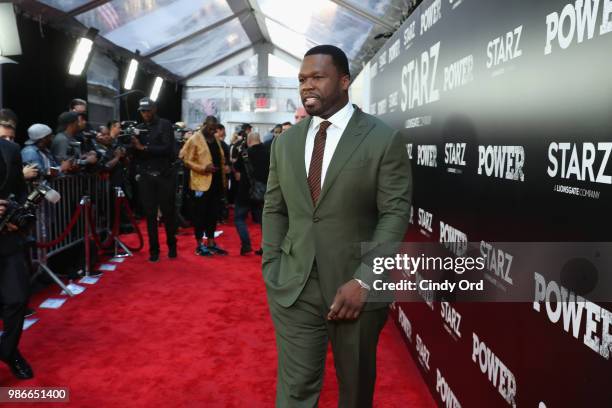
(252, 165)
(154, 154)
(14, 276)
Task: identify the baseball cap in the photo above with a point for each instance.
(36, 132)
(146, 104)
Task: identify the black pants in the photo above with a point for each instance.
(14, 293)
(159, 192)
(205, 212)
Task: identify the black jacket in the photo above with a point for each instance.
(259, 156)
(160, 152)
(11, 182)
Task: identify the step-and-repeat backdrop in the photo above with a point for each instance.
(506, 107)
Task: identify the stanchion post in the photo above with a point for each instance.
(41, 253)
(85, 203)
(119, 197)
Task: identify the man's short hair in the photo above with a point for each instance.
(253, 137)
(77, 102)
(8, 116)
(220, 126)
(338, 57)
(286, 124)
(111, 123)
(66, 119)
(211, 120)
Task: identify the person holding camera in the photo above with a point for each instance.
(153, 153)
(65, 146)
(112, 156)
(252, 168)
(36, 153)
(203, 155)
(14, 276)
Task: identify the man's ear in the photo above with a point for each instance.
(345, 82)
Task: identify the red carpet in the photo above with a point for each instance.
(191, 332)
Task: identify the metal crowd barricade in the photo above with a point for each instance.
(54, 219)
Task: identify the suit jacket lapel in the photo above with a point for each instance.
(355, 132)
(297, 159)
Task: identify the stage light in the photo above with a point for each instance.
(156, 88)
(82, 53)
(9, 35)
(131, 74)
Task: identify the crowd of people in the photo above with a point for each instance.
(171, 174)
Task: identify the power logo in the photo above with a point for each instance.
(497, 372)
(404, 323)
(447, 395)
(505, 162)
(563, 304)
(577, 20)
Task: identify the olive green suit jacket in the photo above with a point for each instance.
(365, 198)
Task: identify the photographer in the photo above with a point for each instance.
(111, 155)
(36, 153)
(66, 147)
(8, 124)
(153, 152)
(252, 166)
(14, 277)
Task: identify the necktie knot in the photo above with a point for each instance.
(324, 125)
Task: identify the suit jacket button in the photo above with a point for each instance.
(316, 219)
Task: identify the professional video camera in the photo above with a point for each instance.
(24, 215)
(129, 129)
(179, 132)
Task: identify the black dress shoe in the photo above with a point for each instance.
(245, 250)
(154, 258)
(172, 252)
(20, 367)
(201, 250)
(217, 250)
(259, 252)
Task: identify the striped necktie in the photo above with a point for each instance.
(316, 161)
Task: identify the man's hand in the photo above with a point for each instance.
(91, 157)
(119, 153)
(348, 302)
(237, 175)
(210, 169)
(66, 166)
(30, 171)
(9, 227)
(136, 144)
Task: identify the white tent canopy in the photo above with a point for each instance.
(189, 37)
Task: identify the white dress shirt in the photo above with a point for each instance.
(339, 121)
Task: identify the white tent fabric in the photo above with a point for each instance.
(187, 36)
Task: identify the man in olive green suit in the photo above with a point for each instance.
(337, 179)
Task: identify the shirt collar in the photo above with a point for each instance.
(339, 119)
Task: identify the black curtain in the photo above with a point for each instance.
(169, 102)
(39, 88)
